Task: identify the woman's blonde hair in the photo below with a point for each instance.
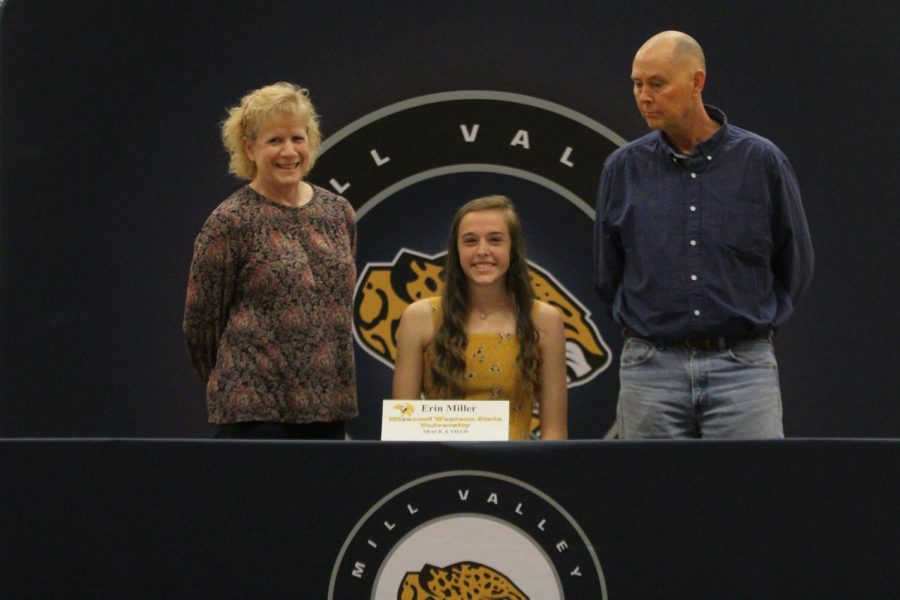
(246, 119)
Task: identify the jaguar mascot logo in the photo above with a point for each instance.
(467, 535)
(461, 581)
(386, 289)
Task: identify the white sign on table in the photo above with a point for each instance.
(445, 420)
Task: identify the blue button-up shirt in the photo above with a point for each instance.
(711, 244)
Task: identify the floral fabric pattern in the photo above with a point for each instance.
(268, 314)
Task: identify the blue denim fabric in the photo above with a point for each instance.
(671, 392)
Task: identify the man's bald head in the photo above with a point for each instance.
(668, 76)
(678, 47)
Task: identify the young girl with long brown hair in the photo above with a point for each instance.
(486, 337)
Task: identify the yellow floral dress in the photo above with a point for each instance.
(491, 373)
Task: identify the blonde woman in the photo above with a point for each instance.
(486, 337)
(268, 313)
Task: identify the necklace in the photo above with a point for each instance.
(486, 314)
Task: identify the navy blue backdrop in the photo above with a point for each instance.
(110, 161)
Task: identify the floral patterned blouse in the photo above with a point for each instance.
(268, 314)
(491, 373)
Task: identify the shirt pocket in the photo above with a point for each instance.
(741, 215)
(746, 232)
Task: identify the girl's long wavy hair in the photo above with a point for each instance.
(448, 367)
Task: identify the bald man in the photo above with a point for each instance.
(701, 251)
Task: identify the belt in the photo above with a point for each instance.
(700, 342)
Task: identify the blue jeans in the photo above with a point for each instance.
(671, 392)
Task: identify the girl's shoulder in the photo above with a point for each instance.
(546, 315)
(423, 310)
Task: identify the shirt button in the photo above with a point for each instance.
(693, 278)
(693, 242)
(696, 313)
(693, 208)
(709, 158)
(693, 176)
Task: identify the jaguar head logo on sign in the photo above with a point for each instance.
(467, 534)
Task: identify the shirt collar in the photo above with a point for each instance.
(707, 147)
